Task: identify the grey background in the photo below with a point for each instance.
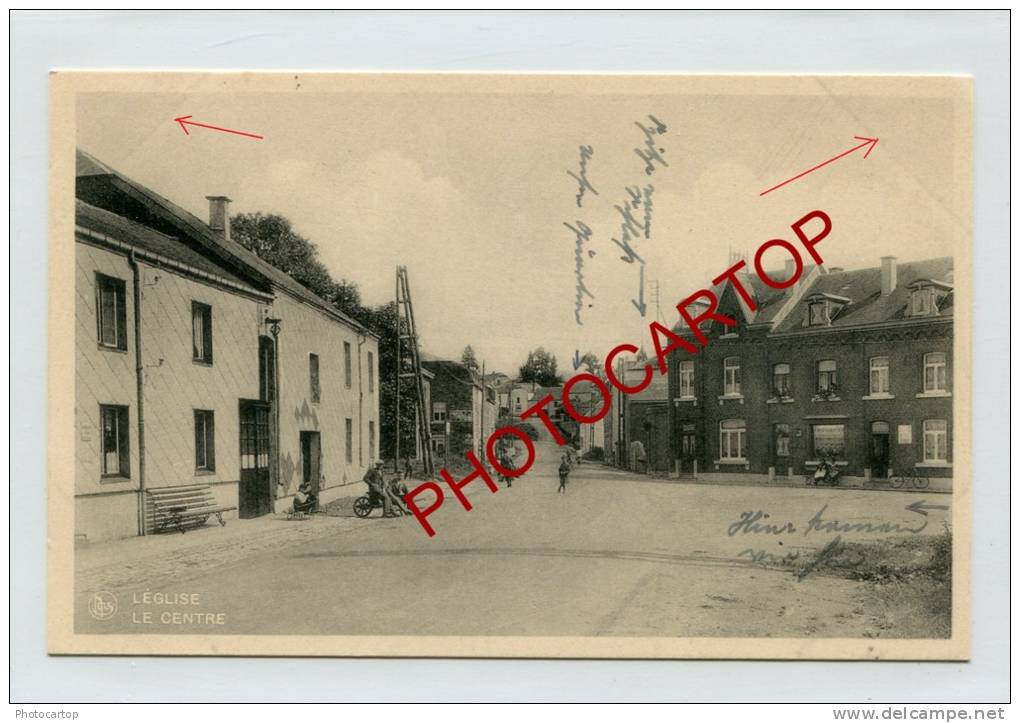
(974, 43)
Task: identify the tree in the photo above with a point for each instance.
(271, 238)
(540, 368)
(591, 364)
(468, 358)
(383, 321)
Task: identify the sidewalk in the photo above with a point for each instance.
(169, 557)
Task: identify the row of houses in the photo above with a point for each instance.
(197, 363)
(851, 366)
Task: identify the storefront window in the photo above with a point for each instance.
(829, 441)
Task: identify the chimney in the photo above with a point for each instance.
(219, 218)
(789, 269)
(888, 275)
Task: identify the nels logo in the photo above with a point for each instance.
(103, 605)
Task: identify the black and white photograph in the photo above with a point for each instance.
(544, 366)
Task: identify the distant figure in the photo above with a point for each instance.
(397, 490)
(564, 472)
(506, 463)
(638, 461)
(304, 499)
(408, 468)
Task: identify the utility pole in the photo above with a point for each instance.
(405, 311)
(399, 365)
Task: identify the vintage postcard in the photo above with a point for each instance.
(502, 365)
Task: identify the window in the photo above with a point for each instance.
(936, 440)
(205, 441)
(439, 412)
(349, 440)
(687, 379)
(921, 302)
(114, 420)
(732, 439)
(818, 314)
(371, 441)
(782, 436)
(111, 315)
(879, 375)
(313, 378)
(826, 377)
(371, 372)
(829, 441)
(935, 372)
(201, 332)
(781, 380)
(347, 364)
(731, 376)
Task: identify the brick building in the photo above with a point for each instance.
(854, 366)
(464, 409)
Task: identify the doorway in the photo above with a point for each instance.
(879, 450)
(255, 491)
(311, 460)
(688, 449)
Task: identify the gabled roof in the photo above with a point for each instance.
(863, 288)
(102, 186)
(90, 218)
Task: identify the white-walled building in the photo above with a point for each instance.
(199, 363)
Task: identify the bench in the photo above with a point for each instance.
(182, 507)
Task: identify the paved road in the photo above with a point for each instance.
(616, 555)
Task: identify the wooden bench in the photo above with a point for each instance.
(182, 507)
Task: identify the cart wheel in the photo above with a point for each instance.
(921, 483)
(896, 482)
(363, 506)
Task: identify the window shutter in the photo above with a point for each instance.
(123, 431)
(199, 440)
(210, 440)
(119, 293)
(207, 333)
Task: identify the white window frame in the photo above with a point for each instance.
(776, 373)
(934, 435)
(686, 379)
(726, 441)
(832, 378)
(935, 367)
(875, 373)
(731, 376)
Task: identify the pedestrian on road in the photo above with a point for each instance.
(564, 472)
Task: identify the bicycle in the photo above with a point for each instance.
(914, 479)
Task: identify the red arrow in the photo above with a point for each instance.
(184, 123)
(871, 142)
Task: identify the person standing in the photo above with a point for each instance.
(564, 472)
(408, 468)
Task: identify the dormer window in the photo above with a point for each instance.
(818, 314)
(927, 297)
(824, 308)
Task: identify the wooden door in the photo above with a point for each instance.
(255, 491)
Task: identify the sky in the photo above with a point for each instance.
(468, 186)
